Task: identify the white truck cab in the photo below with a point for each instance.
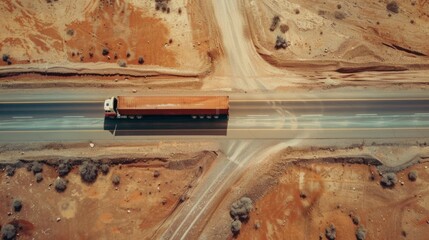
(109, 107)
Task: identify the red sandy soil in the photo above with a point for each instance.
(368, 36)
(120, 28)
(311, 196)
(134, 209)
(43, 35)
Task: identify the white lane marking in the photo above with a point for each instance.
(424, 114)
(366, 114)
(23, 117)
(73, 116)
(312, 115)
(258, 115)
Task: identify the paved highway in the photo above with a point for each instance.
(273, 119)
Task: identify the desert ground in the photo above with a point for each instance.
(153, 183)
(298, 193)
(103, 37)
(198, 188)
(342, 35)
(221, 46)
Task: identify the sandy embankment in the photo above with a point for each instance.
(347, 36)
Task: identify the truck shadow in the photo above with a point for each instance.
(171, 125)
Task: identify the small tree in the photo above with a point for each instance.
(116, 179)
(274, 23)
(389, 180)
(392, 7)
(141, 60)
(64, 168)
(6, 57)
(37, 167)
(105, 51)
(104, 168)
(39, 177)
(10, 170)
(17, 205)
(240, 209)
(412, 176)
(235, 227)
(360, 233)
(331, 232)
(284, 28)
(8, 232)
(280, 43)
(88, 171)
(122, 63)
(60, 184)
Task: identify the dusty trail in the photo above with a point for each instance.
(247, 67)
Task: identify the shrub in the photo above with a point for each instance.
(17, 205)
(105, 51)
(64, 168)
(284, 28)
(412, 176)
(39, 177)
(104, 168)
(339, 15)
(29, 166)
(122, 63)
(116, 179)
(274, 23)
(60, 184)
(88, 171)
(393, 7)
(8, 232)
(6, 57)
(356, 220)
(360, 233)
(70, 32)
(37, 167)
(331, 232)
(235, 227)
(257, 225)
(280, 43)
(240, 209)
(10, 170)
(128, 54)
(156, 173)
(388, 180)
(163, 5)
(141, 60)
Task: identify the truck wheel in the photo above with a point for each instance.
(139, 117)
(216, 116)
(201, 116)
(131, 117)
(194, 117)
(209, 116)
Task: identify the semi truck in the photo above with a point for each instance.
(131, 107)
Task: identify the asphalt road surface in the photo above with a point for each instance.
(249, 119)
